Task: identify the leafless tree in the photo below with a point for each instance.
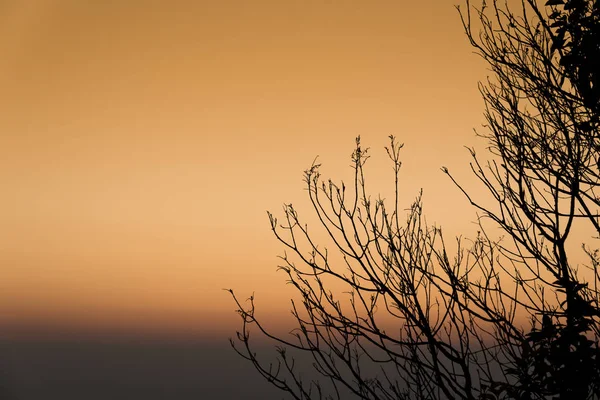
(515, 317)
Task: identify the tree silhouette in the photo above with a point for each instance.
(515, 317)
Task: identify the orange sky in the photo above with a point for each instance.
(142, 141)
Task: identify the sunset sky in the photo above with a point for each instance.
(141, 143)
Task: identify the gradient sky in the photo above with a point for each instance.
(141, 143)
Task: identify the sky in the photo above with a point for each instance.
(141, 143)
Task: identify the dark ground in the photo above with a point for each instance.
(94, 369)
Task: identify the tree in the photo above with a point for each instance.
(515, 317)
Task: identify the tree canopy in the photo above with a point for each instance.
(514, 317)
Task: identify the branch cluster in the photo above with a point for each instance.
(390, 315)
